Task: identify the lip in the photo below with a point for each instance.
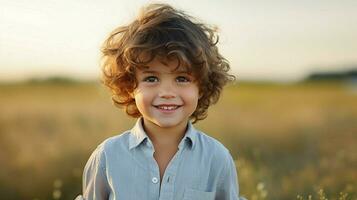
(167, 111)
(167, 105)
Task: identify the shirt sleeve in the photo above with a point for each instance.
(95, 183)
(228, 188)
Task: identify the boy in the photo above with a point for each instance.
(165, 70)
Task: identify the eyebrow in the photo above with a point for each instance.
(156, 72)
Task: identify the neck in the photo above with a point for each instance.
(162, 136)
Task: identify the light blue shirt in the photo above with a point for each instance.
(123, 168)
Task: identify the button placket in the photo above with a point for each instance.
(167, 185)
(154, 168)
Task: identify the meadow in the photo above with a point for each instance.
(289, 140)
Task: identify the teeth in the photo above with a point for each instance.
(168, 107)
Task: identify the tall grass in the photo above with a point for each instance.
(289, 141)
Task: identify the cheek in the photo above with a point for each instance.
(192, 96)
(143, 99)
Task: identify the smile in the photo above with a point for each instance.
(167, 107)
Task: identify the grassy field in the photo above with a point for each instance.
(287, 140)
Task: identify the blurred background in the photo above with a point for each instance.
(290, 120)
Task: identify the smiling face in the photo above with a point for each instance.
(164, 96)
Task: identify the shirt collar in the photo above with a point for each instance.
(138, 135)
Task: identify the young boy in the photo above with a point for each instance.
(164, 69)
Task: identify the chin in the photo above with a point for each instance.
(168, 123)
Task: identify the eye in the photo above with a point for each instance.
(151, 79)
(183, 79)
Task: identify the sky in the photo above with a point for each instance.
(279, 40)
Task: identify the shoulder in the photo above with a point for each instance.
(212, 147)
(111, 145)
(115, 143)
(105, 152)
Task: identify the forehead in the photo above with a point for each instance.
(164, 65)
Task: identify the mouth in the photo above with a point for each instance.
(167, 107)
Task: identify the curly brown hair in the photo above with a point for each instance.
(160, 30)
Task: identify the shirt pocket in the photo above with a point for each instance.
(191, 194)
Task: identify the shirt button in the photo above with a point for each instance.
(154, 180)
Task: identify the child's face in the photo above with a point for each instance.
(165, 97)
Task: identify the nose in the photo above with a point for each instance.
(167, 91)
(167, 96)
